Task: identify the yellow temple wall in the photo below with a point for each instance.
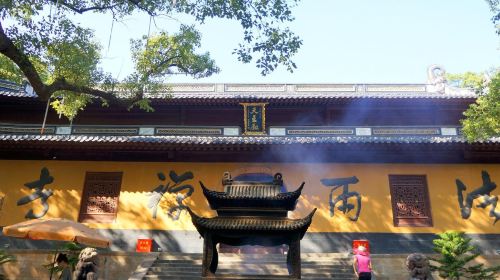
(139, 178)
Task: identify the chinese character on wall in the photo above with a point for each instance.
(481, 193)
(345, 206)
(177, 186)
(38, 193)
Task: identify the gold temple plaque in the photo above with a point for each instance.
(254, 118)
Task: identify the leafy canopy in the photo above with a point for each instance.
(495, 8)
(482, 119)
(40, 41)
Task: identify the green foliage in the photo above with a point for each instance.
(69, 104)
(455, 254)
(143, 104)
(261, 21)
(162, 55)
(66, 57)
(5, 258)
(482, 118)
(495, 8)
(472, 80)
(9, 71)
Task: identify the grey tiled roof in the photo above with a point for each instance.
(15, 90)
(292, 95)
(255, 191)
(220, 223)
(262, 92)
(252, 196)
(241, 140)
(251, 223)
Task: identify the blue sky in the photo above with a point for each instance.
(355, 41)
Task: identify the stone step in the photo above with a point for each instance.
(229, 265)
(273, 271)
(261, 259)
(252, 270)
(179, 266)
(260, 277)
(186, 273)
(199, 262)
(256, 273)
(309, 269)
(254, 256)
(253, 277)
(304, 270)
(303, 255)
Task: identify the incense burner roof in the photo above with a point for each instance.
(251, 223)
(252, 195)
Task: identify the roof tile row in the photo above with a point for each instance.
(229, 140)
(259, 92)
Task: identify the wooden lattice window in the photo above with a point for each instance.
(410, 201)
(100, 197)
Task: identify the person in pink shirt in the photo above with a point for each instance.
(362, 264)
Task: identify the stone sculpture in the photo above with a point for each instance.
(418, 267)
(86, 268)
(436, 79)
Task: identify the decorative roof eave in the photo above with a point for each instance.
(160, 142)
(231, 224)
(381, 149)
(292, 195)
(283, 201)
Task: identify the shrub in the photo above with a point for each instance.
(455, 254)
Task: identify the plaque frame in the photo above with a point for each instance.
(246, 130)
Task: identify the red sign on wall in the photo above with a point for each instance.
(144, 245)
(357, 243)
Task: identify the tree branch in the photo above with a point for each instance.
(71, 7)
(82, 10)
(44, 91)
(138, 5)
(8, 49)
(185, 69)
(154, 69)
(61, 84)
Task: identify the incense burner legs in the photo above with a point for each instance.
(210, 256)
(293, 257)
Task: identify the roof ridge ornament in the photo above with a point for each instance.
(278, 179)
(436, 79)
(227, 179)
